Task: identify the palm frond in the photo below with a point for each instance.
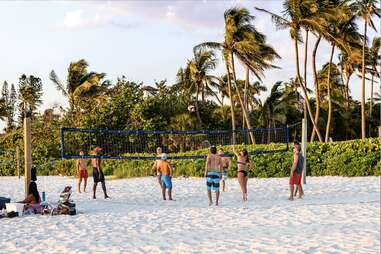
(59, 85)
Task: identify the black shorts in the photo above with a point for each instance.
(98, 176)
(244, 172)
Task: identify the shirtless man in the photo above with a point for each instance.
(213, 172)
(166, 172)
(81, 172)
(226, 164)
(154, 167)
(98, 173)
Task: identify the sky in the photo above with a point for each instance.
(146, 41)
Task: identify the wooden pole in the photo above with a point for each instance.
(18, 160)
(27, 152)
(304, 148)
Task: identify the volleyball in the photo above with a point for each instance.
(191, 108)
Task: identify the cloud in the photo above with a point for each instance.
(78, 19)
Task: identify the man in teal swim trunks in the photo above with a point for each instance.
(213, 173)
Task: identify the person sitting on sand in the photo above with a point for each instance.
(166, 172)
(82, 172)
(242, 174)
(98, 175)
(213, 172)
(154, 167)
(296, 171)
(33, 197)
(226, 164)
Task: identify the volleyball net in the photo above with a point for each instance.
(142, 145)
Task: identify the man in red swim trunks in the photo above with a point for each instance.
(82, 172)
(296, 171)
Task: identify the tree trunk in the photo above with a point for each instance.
(363, 135)
(245, 114)
(329, 96)
(196, 106)
(371, 106)
(305, 72)
(231, 100)
(245, 92)
(317, 94)
(347, 92)
(371, 97)
(305, 90)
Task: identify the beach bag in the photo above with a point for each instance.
(65, 204)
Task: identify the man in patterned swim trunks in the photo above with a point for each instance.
(213, 173)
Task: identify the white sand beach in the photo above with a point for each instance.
(337, 215)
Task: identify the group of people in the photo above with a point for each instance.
(218, 165)
(98, 175)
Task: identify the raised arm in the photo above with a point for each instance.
(235, 152)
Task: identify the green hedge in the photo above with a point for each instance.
(348, 158)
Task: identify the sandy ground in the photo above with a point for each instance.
(337, 215)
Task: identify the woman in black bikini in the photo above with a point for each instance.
(242, 174)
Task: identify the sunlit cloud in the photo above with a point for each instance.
(78, 19)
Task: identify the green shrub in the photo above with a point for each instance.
(348, 158)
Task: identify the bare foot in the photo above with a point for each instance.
(106, 197)
(300, 197)
(210, 203)
(291, 198)
(94, 197)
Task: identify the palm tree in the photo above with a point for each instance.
(298, 14)
(80, 84)
(348, 64)
(331, 90)
(243, 41)
(283, 98)
(373, 59)
(196, 78)
(343, 28)
(365, 9)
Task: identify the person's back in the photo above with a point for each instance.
(165, 170)
(164, 167)
(299, 165)
(213, 171)
(214, 163)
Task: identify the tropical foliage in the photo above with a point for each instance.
(228, 101)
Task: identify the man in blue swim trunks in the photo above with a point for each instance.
(166, 172)
(213, 173)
